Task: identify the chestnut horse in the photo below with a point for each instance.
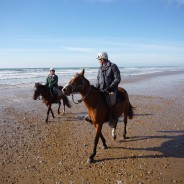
(97, 108)
(48, 99)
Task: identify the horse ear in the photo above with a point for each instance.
(82, 72)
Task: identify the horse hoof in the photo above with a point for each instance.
(90, 160)
(125, 137)
(114, 137)
(105, 147)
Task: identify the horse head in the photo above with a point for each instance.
(77, 84)
(37, 91)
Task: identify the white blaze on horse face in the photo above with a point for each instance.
(113, 132)
(65, 86)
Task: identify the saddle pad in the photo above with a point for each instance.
(120, 96)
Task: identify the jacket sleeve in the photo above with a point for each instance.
(117, 76)
(97, 80)
(55, 81)
(47, 82)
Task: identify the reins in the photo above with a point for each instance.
(82, 99)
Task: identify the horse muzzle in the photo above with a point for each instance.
(34, 98)
(67, 90)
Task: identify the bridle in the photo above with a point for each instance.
(74, 88)
(38, 97)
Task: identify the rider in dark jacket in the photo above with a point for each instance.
(52, 81)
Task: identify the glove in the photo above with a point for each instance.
(108, 89)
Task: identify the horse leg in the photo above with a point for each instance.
(103, 141)
(114, 131)
(98, 133)
(59, 107)
(63, 107)
(48, 111)
(51, 112)
(125, 125)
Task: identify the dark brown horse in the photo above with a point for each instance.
(98, 110)
(48, 99)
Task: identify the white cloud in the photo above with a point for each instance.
(81, 52)
(181, 2)
(78, 49)
(177, 2)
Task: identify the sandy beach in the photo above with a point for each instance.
(33, 152)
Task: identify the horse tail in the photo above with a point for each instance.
(130, 111)
(66, 101)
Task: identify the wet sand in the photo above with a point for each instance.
(32, 151)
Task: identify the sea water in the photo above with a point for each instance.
(14, 77)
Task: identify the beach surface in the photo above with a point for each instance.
(35, 152)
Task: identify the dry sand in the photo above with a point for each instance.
(37, 153)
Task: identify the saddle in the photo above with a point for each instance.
(119, 98)
(55, 92)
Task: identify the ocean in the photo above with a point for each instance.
(14, 77)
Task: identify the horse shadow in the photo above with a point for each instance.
(174, 147)
(120, 120)
(145, 114)
(69, 117)
(79, 116)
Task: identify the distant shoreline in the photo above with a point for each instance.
(136, 78)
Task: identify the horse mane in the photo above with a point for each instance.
(95, 88)
(40, 84)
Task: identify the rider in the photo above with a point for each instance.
(52, 83)
(107, 80)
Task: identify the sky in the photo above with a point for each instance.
(70, 33)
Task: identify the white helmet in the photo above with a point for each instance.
(52, 69)
(102, 55)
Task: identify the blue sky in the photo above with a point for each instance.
(70, 33)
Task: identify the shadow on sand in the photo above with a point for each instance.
(75, 116)
(174, 147)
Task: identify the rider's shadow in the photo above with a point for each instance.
(174, 147)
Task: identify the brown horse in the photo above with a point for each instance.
(98, 110)
(48, 99)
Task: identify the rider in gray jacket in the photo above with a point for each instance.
(108, 74)
(108, 79)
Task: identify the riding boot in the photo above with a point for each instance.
(112, 119)
(87, 118)
(51, 92)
